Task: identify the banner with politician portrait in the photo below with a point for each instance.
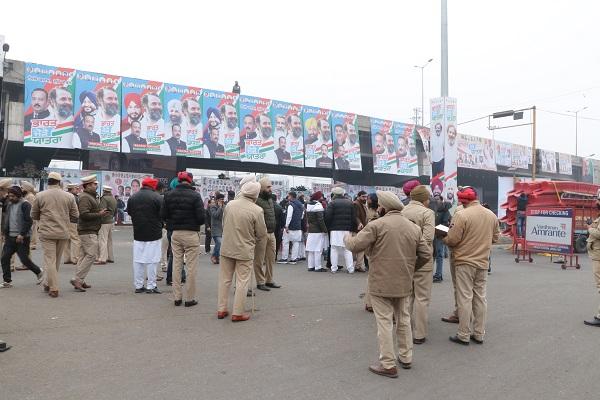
(346, 145)
(142, 123)
(565, 165)
(503, 154)
(406, 149)
(257, 143)
(183, 120)
(476, 153)
(97, 117)
(286, 119)
(317, 137)
(220, 118)
(547, 161)
(384, 146)
(48, 116)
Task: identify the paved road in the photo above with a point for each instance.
(310, 339)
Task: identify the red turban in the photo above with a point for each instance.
(184, 176)
(316, 196)
(133, 97)
(409, 186)
(150, 182)
(467, 195)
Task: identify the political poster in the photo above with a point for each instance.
(48, 116)
(406, 149)
(317, 138)
(210, 186)
(143, 126)
(548, 161)
(289, 142)
(476, 153)
(220, 118)
(97, 119)
(384, 147)
(183, 120)
(123, 184)
(444, 148)
(256, 130)
(346, 144)
(549, 229)
(424, 134)
(521, 156)
(587, 170)
(565, 165)
(504, 154)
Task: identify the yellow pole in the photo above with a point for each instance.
(533, 152)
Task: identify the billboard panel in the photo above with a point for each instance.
(476, 153)
(256, 130)
(384, 147)
(565, 165)
(444, 147)
(183, 120)
(48, 116)
(548, 161)
(289, 142)
(143, 126)
(346, 145)
(317, 138)
(406, 149)
(220, 117)
(97, 119)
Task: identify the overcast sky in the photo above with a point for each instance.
(350, 56)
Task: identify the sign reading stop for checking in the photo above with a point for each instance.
(549, 230)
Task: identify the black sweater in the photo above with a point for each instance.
(183, 209)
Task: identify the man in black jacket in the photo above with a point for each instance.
(340, 218)
(17, 234)
(279, 224)
(183, 212)
(144, 209)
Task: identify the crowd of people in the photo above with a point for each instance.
(396, 241)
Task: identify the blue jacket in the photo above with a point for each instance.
(296, 222)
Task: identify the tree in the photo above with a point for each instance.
(27, 169)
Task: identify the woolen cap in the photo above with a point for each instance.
(389, 200)
(5, 183)
(27, 186)
(420, 193)
(251, 190)
(338, 191)
(89, 179)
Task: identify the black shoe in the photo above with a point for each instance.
(249, 294)
(273, 285)
(321, 270)
(311, 270)
(419, 341)
(455, 339)
(177, 303)
(593, 322)
(437, 279)
(263, 287)
(473, 339)
(404, 365)
(151, 291)
(140, 290)
(169, 283)
(191, 303)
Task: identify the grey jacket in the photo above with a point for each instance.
(216, 220)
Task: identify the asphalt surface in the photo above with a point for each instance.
(311, 339)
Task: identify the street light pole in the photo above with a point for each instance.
(422, 91)
(576, 127)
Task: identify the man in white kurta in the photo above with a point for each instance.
(144, 209)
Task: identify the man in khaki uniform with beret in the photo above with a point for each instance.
(243, 226)
(395, 247)
(593, 247)
(72, 251)
(109, 203)
(418, 211)
(90, 217)
(470, 238)
(54, 209)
